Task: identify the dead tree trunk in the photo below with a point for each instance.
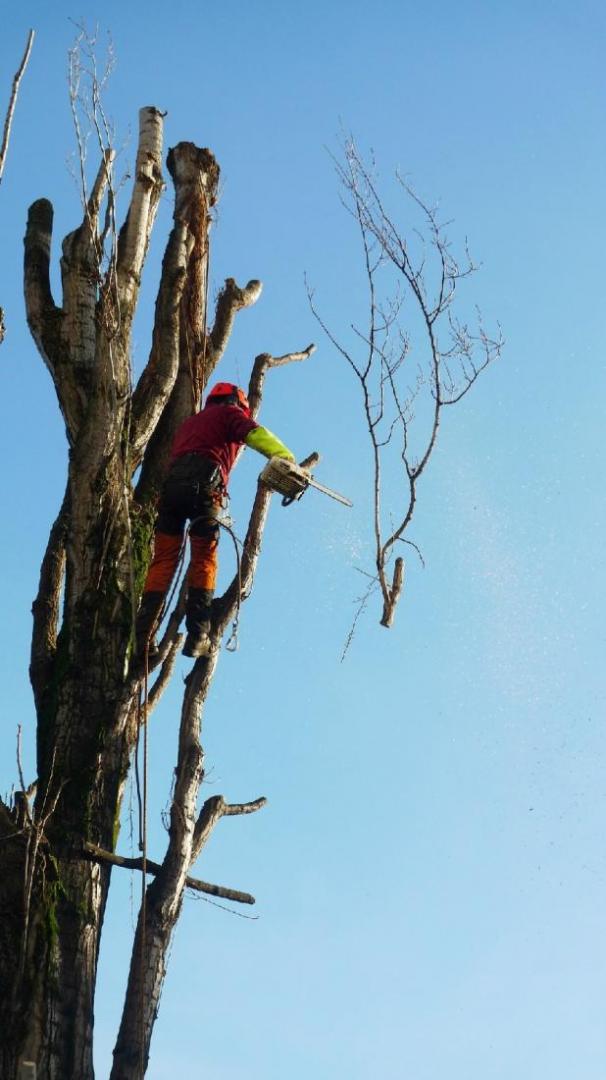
(56, 852)
(85, 732)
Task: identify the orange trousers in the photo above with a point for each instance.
(190, 493)
(202, 573)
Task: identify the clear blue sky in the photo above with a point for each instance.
(430, 869)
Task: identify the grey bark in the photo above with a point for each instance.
(52, 891)
(85, 725)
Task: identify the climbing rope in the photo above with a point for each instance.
(232, 642)
(142, 719)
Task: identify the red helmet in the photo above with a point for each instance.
(230, 394)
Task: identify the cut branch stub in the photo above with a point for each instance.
(310, 461)
(194, 170)
(39, 301)
(263, 363)
(392, 594)
(44, 318)
(195, 173)
(230, 300)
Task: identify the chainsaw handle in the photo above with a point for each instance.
(308, 463)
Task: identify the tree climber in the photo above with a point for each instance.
(204, 450)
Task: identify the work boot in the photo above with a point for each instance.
(196, 646)
(197, 622)
(145, 626)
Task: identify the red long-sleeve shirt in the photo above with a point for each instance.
(217, 432)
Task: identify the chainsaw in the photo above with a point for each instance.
(291, 481)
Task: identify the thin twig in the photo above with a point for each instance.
(13, 101)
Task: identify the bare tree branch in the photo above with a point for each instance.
(235, 809)
(151, 867)
(44, 318)
(13, 101)
(196, 175)
(7, 131)
(164, 676)
(231, 299)
(213, 810)
(148, 186)
(102, 180)
(448, 367)
(263, 363)
(158, 378)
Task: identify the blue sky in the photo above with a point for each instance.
(430, 869)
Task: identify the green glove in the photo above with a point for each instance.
(268, 444)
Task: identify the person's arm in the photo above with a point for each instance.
(265, 442)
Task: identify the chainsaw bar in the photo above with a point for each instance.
(329, 491)
(291, 480)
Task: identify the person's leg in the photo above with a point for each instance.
(202, 579)
(168, 538)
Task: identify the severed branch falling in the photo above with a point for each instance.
(407, 376)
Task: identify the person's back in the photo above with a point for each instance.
(217, 432)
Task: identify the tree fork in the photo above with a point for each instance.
(86, 699)
(84, 734)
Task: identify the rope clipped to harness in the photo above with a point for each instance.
(232, 644)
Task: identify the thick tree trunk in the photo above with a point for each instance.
(54, 896)
(56, 854)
